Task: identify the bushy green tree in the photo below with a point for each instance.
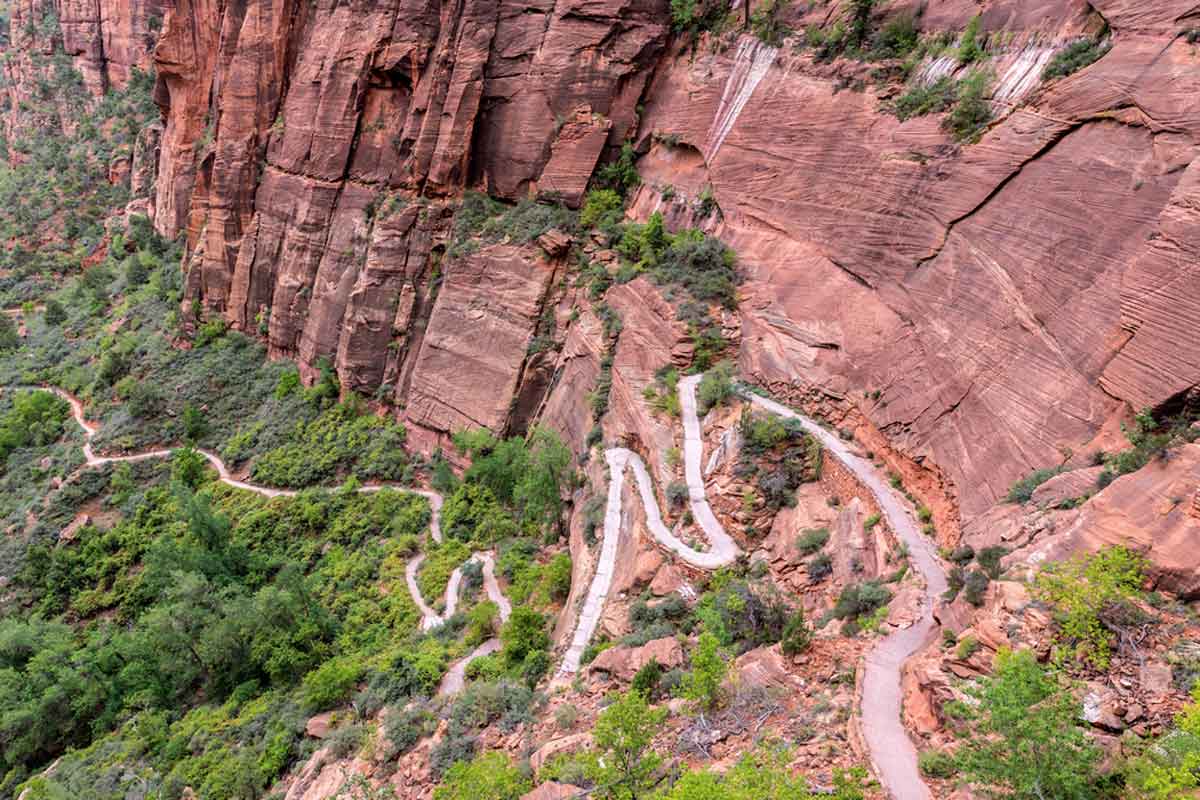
(35, 419)
(759, 774)
(969, 50)
(627, 767)
(55, 314)
(524, 633)
(703, 683)
(1168, 768)
(490, 776)
(797, 636)
(1090, 596)
(716, 387)
(1026, 743)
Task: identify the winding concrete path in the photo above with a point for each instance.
(892, 751)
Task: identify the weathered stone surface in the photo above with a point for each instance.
(550, 790)
(1066, 486)
(986, 296)
(566, 744)
(624, 662)
(1148, 511)
(472, 353)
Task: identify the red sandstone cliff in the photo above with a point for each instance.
(1004, 298)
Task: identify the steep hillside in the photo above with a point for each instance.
(801, 390)
(1002, 297)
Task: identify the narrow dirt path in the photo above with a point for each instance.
(429, 618)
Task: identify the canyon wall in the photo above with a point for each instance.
(983, 309)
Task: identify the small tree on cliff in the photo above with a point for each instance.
(626, 768)
(1026, 743)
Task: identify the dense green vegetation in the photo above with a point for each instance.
(219, 598)
(1023, 740)
(778, 456)
(1092, 600)
(1169, 767)
(965, 100)
(1076, 56)
(695, 271)
(54, 189)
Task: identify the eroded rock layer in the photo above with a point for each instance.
(973, 310)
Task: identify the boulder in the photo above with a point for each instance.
(565, 744)
(321, 725)
(1156, 678)
(668, 579)
(624, 662)
(551, 790)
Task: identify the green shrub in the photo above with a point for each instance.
(989, 560)
(288, 382)
(703, 683)
(646, 679)
(35, 419)
(870, 522)
(937, 764)
(346, 740)
(860, 599)
(972, 112)
(967, 647)
(767, 22)
(558, 577)
(620, 175)
(962, 554)
(897, 38)
(969, 50)
(975, 587)
(601, 206)
(820, 566)
(55, 314)
(404, 727)
(524, 633)
(343, 439)
(1074, 57)
(1022, 490)
(330, 683)
(695, 16)
(491, 776)
(716, 387)
(1026, 740)
(812, 540)
(452, 749)
(797, 635)
(925, 99)
(1087, 595)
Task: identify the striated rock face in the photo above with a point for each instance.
(1003, 298)
(973, 311)
(300, 137)
(1151, 511)
(103, 40)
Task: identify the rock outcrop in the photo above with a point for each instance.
(972, 311)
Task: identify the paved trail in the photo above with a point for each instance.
(891, 749)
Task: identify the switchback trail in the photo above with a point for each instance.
(453, 680)
(892, 751)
